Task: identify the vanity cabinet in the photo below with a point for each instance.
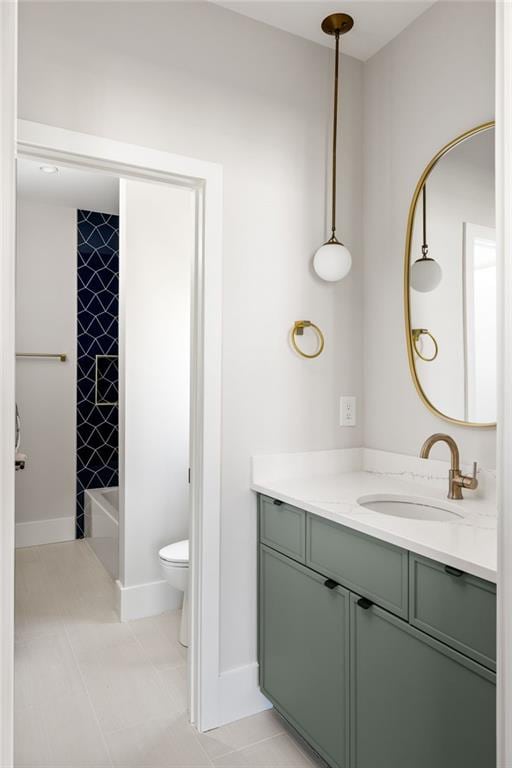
(377, 657)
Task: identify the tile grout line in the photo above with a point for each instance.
(158, 720)
(153, 665)
(60, 630)
(303, 747)
(89, 699)
(160, 683)
(195, 732)
(255, 743)
(88, 695)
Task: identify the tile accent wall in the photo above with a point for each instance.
(97, 334)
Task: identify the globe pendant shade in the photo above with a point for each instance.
(426, 275)
(332, 262)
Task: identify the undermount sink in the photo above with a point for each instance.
(407, 507)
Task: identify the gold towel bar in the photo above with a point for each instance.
(53, 355)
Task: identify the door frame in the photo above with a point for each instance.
(8, 98)
(504, 379)
(51, 144)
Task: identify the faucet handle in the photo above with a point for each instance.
(471, 481)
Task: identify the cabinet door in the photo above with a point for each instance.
(414, 701)
(303, 652)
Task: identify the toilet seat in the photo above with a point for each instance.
(175, 554)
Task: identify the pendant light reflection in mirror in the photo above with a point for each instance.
(332, 261)
(426, 273)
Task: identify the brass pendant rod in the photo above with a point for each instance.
(424, 247)
(335, 138)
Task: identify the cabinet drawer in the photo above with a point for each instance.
(454, 607)
(372, 568)
(283, 527)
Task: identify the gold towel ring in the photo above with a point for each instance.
(298, 330)
(416, 334)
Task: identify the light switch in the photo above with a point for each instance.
(347, 411)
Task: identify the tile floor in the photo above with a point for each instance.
(94, 693)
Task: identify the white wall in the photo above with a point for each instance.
(155, 260)
(196, 79)
(428, 85)
(46, 389)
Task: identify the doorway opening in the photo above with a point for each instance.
(103, 330)
(199, 184)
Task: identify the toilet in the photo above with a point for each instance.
(174, 564)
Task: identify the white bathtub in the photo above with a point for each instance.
(102, 525)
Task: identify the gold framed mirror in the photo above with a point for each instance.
(450, 281)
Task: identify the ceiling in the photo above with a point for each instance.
(376, 22)
(74, 188)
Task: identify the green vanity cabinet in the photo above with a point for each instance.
(304, 642)
(415, 701)
(389, 666)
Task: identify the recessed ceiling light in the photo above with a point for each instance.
(49, 169)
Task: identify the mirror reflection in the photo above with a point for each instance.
(451, 278)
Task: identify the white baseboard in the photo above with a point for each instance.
(45, 531)
(149, 599)
(240, 695)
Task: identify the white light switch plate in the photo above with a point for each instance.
(347, 411)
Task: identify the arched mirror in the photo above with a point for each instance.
(450, 281)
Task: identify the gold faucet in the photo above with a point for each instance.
(456, 480)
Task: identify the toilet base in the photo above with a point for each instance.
(183, 635)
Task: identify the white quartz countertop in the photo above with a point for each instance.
(468, 542)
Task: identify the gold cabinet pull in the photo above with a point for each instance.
(416, 334)
(298, 330)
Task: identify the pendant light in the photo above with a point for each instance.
(425, 272)
(332, 261)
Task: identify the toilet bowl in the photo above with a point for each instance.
(174, 564)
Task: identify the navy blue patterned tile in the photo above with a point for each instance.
(98, 333)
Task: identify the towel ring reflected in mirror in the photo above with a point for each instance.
(298, 330)
(416, 334)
